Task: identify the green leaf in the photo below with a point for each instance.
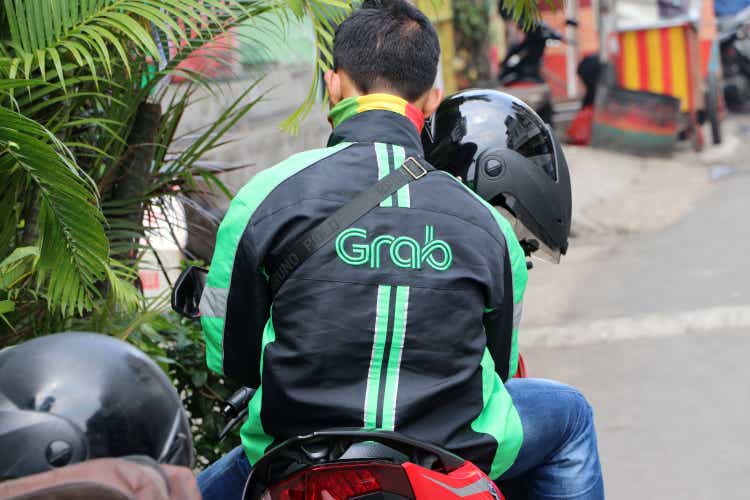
(7, 306)
(18, 254)
(17, 84)
(17, 267)
(199, 378)
(322, 13)
(72, 248)
(164, 360)
(55, 56)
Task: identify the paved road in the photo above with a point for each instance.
(672, 413)
(672, 405)
(701, 263)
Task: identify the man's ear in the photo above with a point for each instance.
(432, 100)
(333, 84)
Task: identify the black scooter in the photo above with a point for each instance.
(521, 69)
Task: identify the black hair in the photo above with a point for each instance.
(388, 45)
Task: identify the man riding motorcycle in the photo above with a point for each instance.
(405, 321)
(500, 148)
(85, 415)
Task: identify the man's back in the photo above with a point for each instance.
(384, 327)
(406, 320)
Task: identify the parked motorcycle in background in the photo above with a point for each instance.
(521, 69)
(734, 44)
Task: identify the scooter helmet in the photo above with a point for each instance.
(500, 148)
(70, 397)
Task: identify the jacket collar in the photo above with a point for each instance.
(377, 118)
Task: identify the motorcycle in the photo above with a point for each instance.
(343, 464)
(521, 69)
(734, 47)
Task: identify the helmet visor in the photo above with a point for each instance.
(543, 251)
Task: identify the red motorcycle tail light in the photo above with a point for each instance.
(342, 482)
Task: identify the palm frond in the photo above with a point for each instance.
(73, 76)
(526, 12)
(121, 279)
(98, 34)
(325, 15)
(175, 168)
(13, 183)
(72, 240)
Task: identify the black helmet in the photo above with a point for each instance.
(504, 152)
(70, 397)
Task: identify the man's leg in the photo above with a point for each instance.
(559, 456)
(225, 479)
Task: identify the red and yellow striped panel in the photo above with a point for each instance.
(658, 60)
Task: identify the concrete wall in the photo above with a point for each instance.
(257, 140)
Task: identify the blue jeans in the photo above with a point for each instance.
(558, 457)
(225, 479)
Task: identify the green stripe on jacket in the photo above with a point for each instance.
(230, 233)
(254, 438)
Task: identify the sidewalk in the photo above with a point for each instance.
(615, 194)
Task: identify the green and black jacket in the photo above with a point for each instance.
(406, 321)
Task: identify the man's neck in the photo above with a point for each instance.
(354, 105)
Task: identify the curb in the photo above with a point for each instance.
(639, 327)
